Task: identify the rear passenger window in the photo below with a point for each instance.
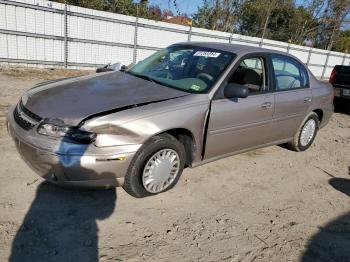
(289, 74)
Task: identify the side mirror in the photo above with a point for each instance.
(235, 90)
(111, 67)
(116, 66)
(124, 68)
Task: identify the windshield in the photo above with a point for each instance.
(188, 68)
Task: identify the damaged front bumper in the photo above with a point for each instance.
(71, 164)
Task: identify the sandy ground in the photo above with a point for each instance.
(266, 205)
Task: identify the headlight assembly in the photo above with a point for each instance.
(63, 131)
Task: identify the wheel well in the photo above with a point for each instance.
(186, 138)
(319, 113)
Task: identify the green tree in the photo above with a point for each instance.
(93, 4)
(203, 17)
(338, 10)
(217, 15)
(256, 16)
(343, 42)
(305, 25)
(125, 7)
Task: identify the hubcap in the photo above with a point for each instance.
(161, 170)
(307, 132)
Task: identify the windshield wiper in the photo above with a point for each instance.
(143, 77)
(154, 80)
(146, 77)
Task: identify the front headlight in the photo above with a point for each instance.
(63, 131)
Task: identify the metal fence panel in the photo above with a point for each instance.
(34, 33)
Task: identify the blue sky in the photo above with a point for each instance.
(185, 6)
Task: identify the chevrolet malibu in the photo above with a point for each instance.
(186, 105)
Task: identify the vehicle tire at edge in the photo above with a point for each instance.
(133, 180)
(296, 144)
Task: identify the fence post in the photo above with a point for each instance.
(288, 48)
(134, 59)
(189, 34)
(325, 66)
(65, 36)
(309, 56)
(343, 61)
(261, 42)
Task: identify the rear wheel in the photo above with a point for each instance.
(156, 167)
(306, 133)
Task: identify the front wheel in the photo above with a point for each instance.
(156, 167)
(306, 133)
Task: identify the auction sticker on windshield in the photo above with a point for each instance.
(195, 87)
(207, 54)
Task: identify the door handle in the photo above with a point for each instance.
(266, 105)
(307, 99)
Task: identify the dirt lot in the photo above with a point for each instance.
(267, 205)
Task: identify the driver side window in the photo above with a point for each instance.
(251, 73)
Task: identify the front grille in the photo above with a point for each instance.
(25, 118)
(29, 113)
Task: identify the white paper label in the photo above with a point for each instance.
(207, 54)
(195, 87)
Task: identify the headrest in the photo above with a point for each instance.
(251, 77)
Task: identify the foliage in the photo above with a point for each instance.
(343, 43)
(125, 7)
(218, 15)
(94, 4)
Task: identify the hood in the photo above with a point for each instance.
(73, 100)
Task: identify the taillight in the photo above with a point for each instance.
(332, 77)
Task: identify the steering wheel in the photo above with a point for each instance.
(205, 77)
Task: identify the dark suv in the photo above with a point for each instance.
(340, 79)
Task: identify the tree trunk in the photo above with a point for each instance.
(265, 25)
(114, 6)
(331, 39)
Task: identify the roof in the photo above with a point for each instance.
(233, 48)
(240, 50)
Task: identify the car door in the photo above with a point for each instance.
(292, 95)
(237, 124)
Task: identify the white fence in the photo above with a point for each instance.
(45, 34)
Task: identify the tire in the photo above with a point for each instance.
(134, 179)
(297, 144)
